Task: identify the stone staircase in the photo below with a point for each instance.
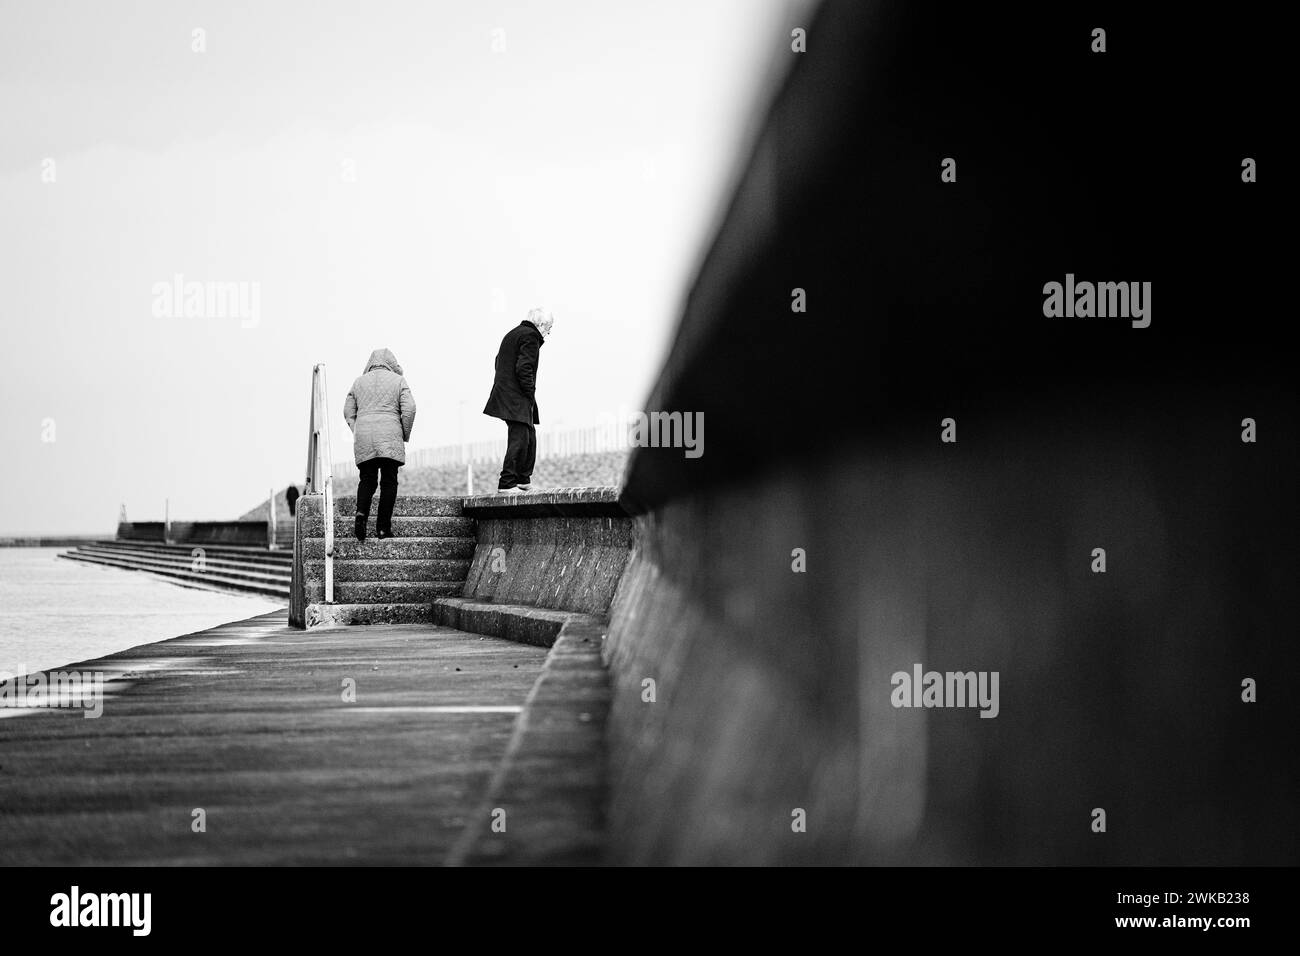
(284, 532)
(394, 581)
(221, 567)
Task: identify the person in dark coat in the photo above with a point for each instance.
(514, 399)
(291, 499)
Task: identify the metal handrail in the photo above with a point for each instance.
(320, 467)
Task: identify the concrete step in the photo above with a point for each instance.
(206, 579)
(322, 615)
(313, 526)
(349, 549)
(514, 622)
(243, 555)
(552, 503)
(406, 506)
(185, 562)
(383, 592)
(393, 569)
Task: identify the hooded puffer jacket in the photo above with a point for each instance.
(380, 410)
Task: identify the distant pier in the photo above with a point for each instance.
(65, 541)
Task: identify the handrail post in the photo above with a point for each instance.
(323, 429)
(270, 522)
(319, 481)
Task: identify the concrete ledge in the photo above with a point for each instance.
(568, 502)
(514, 622)
(551, 784)
(323, 615)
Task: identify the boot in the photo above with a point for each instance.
(361, 527)
(384, 520)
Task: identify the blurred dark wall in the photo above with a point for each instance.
(1118, 690)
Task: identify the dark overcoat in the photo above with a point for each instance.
(514, 389)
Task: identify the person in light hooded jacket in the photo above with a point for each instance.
(380, 410)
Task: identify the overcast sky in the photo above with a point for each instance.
(405, 175)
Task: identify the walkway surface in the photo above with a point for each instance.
(247, 722)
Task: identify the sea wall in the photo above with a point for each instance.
(909, 467)
(67, 541)
(563, 550)
(773, 617)
(243, 533)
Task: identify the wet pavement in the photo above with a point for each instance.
(236, 745)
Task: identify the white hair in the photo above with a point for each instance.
(542, 319)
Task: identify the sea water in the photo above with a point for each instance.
(55, 612)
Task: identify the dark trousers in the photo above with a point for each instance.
(521, 454)
(370, 472)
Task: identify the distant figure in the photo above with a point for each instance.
(291, 498)
(513, 399)
(380, 411)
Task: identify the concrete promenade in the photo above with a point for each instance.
(247, 722)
